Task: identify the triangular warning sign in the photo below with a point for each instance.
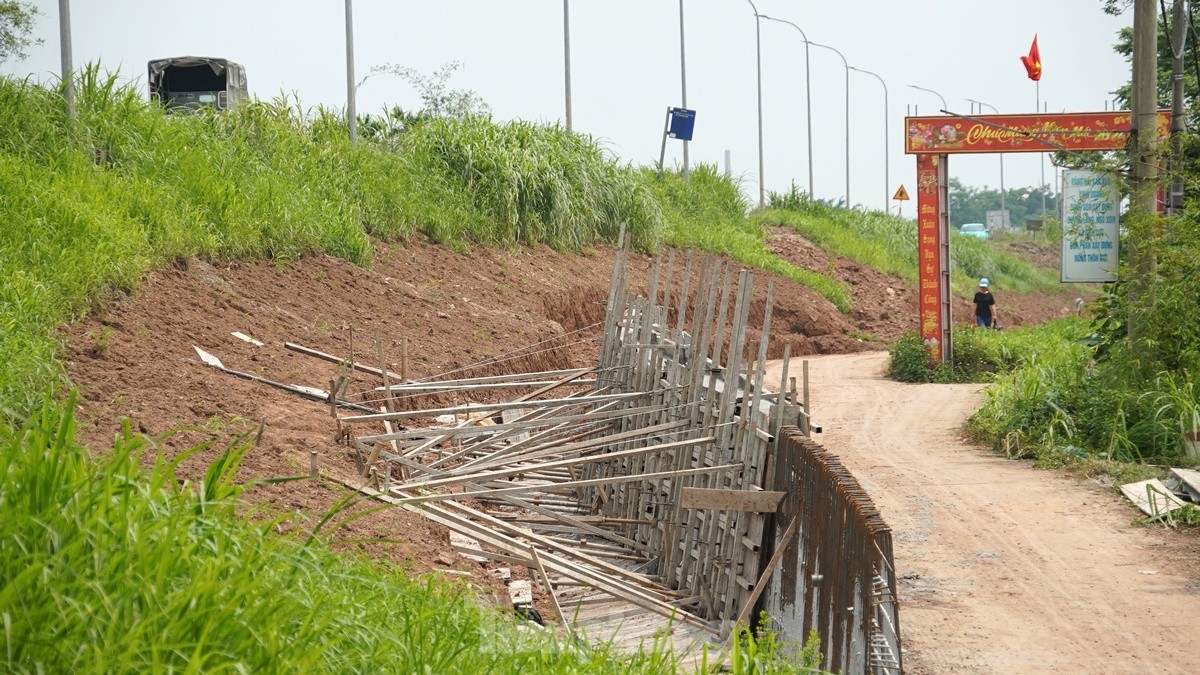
(901, 194)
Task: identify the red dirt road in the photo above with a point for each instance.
(1004, 568)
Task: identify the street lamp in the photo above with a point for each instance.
(846, 65)
(68, 67)
(567, 58)
(981, 104)
(683, 84)
(944, 106)
(762, 190)
(807, 95)
(887, 181)
(351, 114)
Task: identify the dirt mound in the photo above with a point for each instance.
(434, 311)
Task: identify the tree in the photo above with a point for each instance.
(438, 98)
(16, 25)
(970, 204)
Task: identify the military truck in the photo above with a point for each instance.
(188, 83)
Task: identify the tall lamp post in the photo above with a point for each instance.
(567, 58)
(762, 190)
(683, 84)
(807, 96)
(845, 65)
(68, 67)
(351, 114)
(887, 180)
(981, 104)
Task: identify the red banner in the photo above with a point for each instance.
(947, 135)
(928, 256)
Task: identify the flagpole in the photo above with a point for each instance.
(1037, 88)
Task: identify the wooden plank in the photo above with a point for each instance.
(516, 489)
(444, 433)
(541, 570)
(759, 501)
(748, 607)
(1152, 497)
(489, 408)
(570, 461)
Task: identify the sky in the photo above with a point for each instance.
(626, 70)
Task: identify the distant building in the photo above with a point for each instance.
(189, 83)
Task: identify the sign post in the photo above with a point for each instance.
(679, 125)
(901, 196)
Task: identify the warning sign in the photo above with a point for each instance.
(901, 195)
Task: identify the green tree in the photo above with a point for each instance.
(16, 26)
(970, 204)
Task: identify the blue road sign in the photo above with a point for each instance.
(682, 121)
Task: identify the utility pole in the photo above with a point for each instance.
(1144, 147)
(567, 58)
(683, 86)
(68, 67)
(351, 113)
(1145, 98)
(1178, 125)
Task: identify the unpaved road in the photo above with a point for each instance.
(1004, 568)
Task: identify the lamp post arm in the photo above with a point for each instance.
(846, 65)
(887, 179)
(807, 97)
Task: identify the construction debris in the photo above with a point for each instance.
(632, 491)
(1152, 497)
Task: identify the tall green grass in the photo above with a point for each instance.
(118, 565)
(91, 207)
(889, 244)
(534, 183)
(708, 212)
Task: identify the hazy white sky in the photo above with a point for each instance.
(626, 68)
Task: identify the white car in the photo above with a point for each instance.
(974, 230)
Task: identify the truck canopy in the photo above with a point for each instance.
(194, 81)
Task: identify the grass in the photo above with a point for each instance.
(119, 565)
(126, 189)
(889, 244)
(708, 212)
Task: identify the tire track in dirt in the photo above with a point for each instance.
(1004, 568)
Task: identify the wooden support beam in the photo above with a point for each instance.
(758, 501)
(442, 433)
(571, 461)
(614, 480)
(488, 409)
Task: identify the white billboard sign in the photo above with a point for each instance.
(1091, 227)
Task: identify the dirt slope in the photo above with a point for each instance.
(1003, 568)
(532, 307)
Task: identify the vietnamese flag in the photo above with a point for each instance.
(1033, 62)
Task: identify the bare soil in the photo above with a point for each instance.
(1004, 568)
(490, 311)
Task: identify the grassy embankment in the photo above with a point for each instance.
(110, 565)
(889, 244)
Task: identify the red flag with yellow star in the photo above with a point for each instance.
(1033, 62)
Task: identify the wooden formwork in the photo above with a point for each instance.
(642, 479)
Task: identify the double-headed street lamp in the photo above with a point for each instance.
(807, 96)
(845, 65)
(887, 180)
